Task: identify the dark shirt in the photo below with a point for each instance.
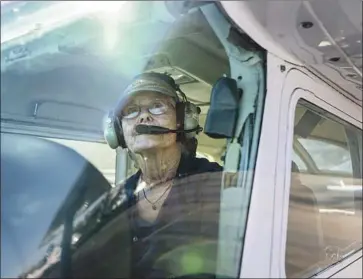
(186, 227)
(183, 239)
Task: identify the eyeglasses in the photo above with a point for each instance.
(155, 108)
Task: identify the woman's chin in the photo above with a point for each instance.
(144, 143)
(147, 145)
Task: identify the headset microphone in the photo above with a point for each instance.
(157, 130)
(151, 130)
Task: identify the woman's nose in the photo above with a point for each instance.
(144, 117)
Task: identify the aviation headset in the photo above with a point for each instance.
(187, 114)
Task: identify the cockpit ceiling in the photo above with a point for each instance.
(325, 35)
(84, 79)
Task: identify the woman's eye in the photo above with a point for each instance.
(158, 105)
(158, 108)
(130, 112)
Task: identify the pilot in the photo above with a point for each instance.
(173, 193)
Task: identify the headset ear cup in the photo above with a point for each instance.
(109, 132)
(191, 119)
(120, 133)
(113, 132)
(180, 117)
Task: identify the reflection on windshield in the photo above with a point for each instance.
(21, 19)
(52, 257)
(137, 76)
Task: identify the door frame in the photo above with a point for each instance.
(265, 237)
(300, 85)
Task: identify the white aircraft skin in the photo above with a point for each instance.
(275, 26)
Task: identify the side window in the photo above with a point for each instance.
(325, 203)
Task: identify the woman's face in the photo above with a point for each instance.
(148, 108)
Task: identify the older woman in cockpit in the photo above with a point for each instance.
(173, 200)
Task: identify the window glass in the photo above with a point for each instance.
(299, 161)
(325, 205)
(74, 73)
(328, 156)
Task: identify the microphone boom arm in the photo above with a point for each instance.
(157, 130)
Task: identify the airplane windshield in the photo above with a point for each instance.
(85, 75)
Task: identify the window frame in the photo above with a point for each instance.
(264, 243)
(321, 105)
